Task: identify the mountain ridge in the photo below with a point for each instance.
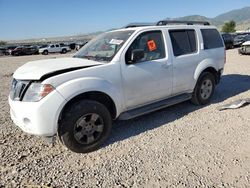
(240, 16)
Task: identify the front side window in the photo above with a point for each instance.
(152, 45)
(104, 47)
(183, 41)
(211, 38)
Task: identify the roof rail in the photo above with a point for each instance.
(137, 25)
(166, 22)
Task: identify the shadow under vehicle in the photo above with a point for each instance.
(231, 85)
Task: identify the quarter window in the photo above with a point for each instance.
(183, 41)
(151, 43)
(211, 38)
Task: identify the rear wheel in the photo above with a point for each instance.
(85, 126)
(204, 89)
(64, 51)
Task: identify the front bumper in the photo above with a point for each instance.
(38, 118)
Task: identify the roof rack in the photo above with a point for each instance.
(166, 22)
(137, 25)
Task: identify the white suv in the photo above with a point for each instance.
(118, 75)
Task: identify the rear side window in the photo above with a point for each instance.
(211, 39)
(183, 41)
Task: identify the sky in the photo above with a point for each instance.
(25, 19)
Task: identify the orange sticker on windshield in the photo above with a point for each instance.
(151, 45)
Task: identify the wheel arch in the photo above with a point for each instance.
(98, 96)
(207, 66)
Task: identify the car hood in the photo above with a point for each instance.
(36, 70)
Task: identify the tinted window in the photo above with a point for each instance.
(183, 41)
(211, 38)
(57, 45)
(151, 43)
(247, 37)
(227, 37)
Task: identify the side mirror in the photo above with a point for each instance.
(137, 55)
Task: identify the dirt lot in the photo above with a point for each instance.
(181, 146)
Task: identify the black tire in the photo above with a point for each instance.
(64, 51)
(45, 52)
(85, 126)
(204, 89)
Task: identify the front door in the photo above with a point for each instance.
(149, 79)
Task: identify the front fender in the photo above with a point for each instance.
(78, 86)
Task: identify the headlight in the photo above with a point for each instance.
(37, 91)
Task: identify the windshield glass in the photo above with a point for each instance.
(104, 47)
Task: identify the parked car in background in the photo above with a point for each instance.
(246, 38)
(54, 48)
(25, 50)
(10, 49)
(228, 40)
(238, 40)
(245, 48)
(72, 45)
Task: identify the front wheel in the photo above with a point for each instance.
(84, 126)
(45, 52)
(204, 89)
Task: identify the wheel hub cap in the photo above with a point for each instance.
(206, 89)
(88, 128)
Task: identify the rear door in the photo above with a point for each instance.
(57, 48)
(186, 57)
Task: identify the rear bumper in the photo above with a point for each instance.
(38, 118)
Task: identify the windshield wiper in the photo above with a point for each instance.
(89, 57)
(102, 58)
(95, 58)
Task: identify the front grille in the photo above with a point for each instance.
(18, 88)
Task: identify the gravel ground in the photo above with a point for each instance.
(180, 146)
